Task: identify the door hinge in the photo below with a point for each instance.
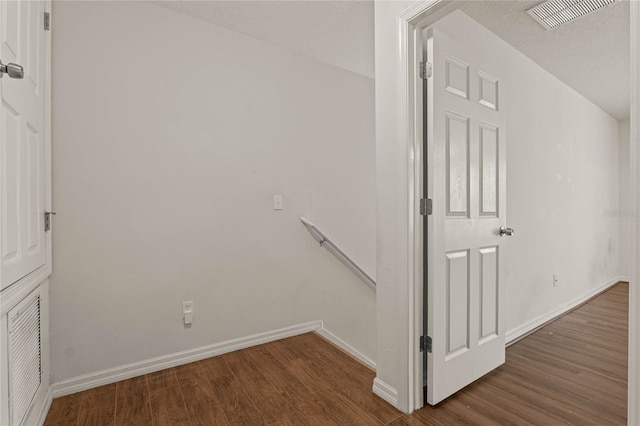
(425, 344)
(426, 207)
(47, 21)
(47, 220)
(426, 70)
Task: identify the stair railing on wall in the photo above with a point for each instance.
(325, 242)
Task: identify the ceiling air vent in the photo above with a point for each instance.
(553, 13)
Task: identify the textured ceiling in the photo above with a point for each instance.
(590, 54)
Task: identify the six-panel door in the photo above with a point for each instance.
(466, 174)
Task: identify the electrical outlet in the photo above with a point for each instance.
(187, 312)
(555, 280)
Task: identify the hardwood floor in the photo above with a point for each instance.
(572, 371)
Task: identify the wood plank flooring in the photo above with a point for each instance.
(571, 372)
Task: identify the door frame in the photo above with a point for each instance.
(410, 24)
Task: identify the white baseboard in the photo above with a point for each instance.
(624, 278)
(327, 334)
(44, 408)
(112, 375)
(519, 332)
(40, 405)
(386, 392)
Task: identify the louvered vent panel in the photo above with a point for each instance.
(25, 367)
(553, 13)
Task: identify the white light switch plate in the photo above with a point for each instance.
(277, 202)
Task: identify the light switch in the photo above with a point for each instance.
(277, 202)
(187, 312)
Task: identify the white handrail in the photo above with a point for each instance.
(324, 241)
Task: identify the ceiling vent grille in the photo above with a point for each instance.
(553, 13)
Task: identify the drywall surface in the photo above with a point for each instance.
(626, 213)
(170, 138)
(341, 32)
(562, 185)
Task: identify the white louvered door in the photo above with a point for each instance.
(467, 177)
(25, 356)
(22, 140)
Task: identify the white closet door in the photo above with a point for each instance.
(22, 140)
(467, 174)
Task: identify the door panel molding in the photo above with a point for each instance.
(458, 297)
(457, 147)
(489, 139)
(489, 293)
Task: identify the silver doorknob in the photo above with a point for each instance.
(506, 231)
(14, 70)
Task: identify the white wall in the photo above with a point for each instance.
(626, 214)
(336, 32)
(170, 137)
(562, 183)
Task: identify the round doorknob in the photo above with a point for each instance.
(14, 70)
(506, 231)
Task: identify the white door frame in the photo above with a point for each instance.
(633, 401)
(410, 24)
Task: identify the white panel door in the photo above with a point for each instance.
(466, 175)
(22, 141)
